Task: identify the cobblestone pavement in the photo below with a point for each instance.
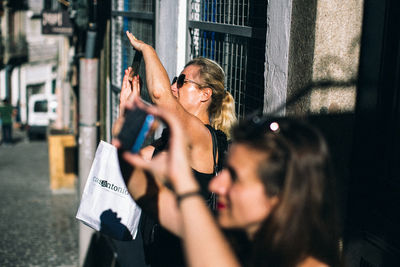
(37, 227)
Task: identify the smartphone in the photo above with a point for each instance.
(137, 59)
(137, 126)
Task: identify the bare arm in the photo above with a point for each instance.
(204, 242)
(156, 76)
(129, 91)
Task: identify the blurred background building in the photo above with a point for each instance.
(36, 65)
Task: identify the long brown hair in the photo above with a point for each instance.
(298, 171)
(222, 107)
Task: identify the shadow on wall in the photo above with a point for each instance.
(301, 52)
(333, 67)
(305, 60)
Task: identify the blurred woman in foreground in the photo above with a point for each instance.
(276, 187)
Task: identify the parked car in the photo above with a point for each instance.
(41, 113)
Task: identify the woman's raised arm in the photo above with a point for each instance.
(159, 88)
(156, 76)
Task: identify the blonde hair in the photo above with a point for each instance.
(222, 107)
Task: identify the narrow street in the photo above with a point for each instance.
(37, 227)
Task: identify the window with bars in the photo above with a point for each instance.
(138, 17)
(232, 32)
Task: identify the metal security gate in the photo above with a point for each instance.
(232, 32)
(138, 17)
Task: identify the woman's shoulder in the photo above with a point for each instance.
(312, 262)
(220, 135)
(221, 138)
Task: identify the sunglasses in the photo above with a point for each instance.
(181, 80)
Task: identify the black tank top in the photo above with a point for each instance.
(161, 247)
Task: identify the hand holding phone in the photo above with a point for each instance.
(137, 126)
(130, 88)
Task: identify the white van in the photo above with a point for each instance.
(41, 113)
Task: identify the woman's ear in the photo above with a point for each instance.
(206, 94)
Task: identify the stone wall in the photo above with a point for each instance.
(323, 46)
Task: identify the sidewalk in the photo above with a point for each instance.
(38, 228)
(18, 135)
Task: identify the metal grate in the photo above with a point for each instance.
(114, 106)
(136, 5)
(222, 11)
(221, 30)
(229, 52)
(137, 17)
(122, 52)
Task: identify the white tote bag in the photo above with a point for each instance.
(106, 204)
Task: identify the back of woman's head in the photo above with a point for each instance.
(222, 107)
(297, 170)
